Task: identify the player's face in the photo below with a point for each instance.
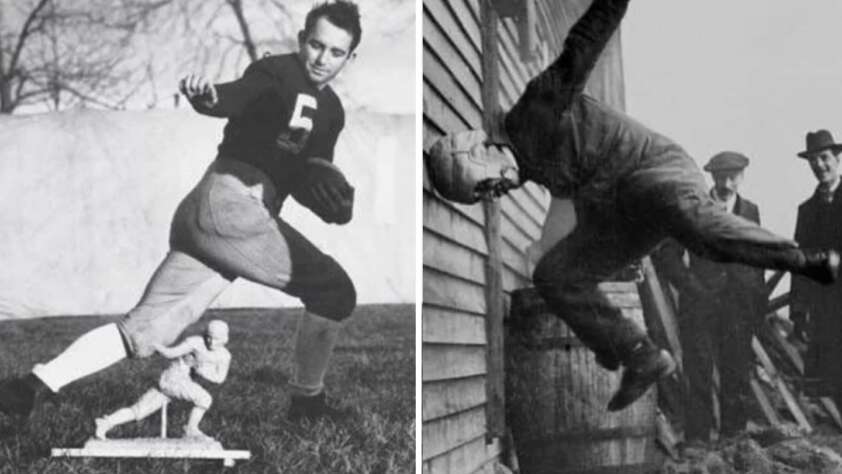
(324, 51)
(726, 183)
(825, 166)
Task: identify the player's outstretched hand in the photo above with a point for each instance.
(198, 88)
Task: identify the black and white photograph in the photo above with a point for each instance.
(420, 236)
(208, 236)
(631, 237)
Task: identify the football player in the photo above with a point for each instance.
(631, 187)
(283, 123)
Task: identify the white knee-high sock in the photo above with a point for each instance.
(90, 353)
(313, 347)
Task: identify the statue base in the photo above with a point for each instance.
(193, 448)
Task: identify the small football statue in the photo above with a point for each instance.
(196, 356)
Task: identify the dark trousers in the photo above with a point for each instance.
(714, 334)
(665, 196)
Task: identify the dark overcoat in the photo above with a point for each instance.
(819, 224)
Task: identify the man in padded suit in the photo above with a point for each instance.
(282, 117)
(631, 188)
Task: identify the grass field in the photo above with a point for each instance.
(372, 372)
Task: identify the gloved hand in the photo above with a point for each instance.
(324, 190)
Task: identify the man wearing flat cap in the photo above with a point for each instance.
(631, 188)
(720, 305)
(815, 309)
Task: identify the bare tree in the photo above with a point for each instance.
(62, 54)
(105, 52)
(222, 34)
(216, 37)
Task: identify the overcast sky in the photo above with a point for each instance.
(750, 75)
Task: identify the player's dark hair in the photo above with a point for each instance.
(342, 13)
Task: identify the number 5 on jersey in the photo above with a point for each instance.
(294, 137)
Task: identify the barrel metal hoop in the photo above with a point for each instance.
(641, 468)
(549, 343)
(597, 434)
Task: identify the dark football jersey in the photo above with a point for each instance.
(277, 118)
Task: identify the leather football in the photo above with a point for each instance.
(324, 190)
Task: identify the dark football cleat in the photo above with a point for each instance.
(18, 395)
(642, 373)
(821, 265)
(313, 408)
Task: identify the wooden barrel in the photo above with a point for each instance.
(556, 395)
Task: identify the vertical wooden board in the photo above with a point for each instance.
(583, 405)
(528, 400)
(450, 361)
(661, 311)
(508, 92)
(510, 53)
(447, 397)
(591, 392)
(565, 406)
(442, 435)
(545, 20)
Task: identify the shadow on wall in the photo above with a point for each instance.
(86, 199)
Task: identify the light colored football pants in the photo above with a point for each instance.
(227, 227)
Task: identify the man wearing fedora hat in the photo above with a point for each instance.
(815, 309)
(631, 188)
(720, 305)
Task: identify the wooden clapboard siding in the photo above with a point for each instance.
(454, 361)
(448, 326)
(474, 457)
(447, 291)
(447, 361)
(454, 364)
(443, 398)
